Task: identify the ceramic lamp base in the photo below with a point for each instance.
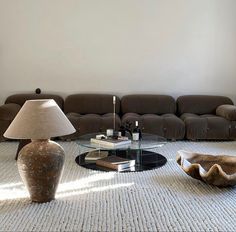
(40, 165)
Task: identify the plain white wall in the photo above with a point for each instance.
(170, 47)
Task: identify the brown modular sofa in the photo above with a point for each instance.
(207, 117)
(155, 114)
(193, 117)
(13, 104)
(91, 113)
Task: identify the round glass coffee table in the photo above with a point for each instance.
(141, 151)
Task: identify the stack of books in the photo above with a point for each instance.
(111, 143)
(116, 163)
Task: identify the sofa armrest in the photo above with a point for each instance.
(9, 111)
(227, 111)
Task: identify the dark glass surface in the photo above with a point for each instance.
(145, 160)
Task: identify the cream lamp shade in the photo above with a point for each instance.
(39, 119)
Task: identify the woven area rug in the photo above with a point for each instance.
(164, 199)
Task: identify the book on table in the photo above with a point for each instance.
(95, 155)
(111, 143)
(116, 163)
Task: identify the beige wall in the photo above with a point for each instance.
(118, 46)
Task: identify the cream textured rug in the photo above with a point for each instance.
(164, 199)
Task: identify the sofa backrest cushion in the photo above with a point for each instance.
(201, 104)
(148, 104)
(21, 98)
(91, 104)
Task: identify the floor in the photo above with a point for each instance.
(164, 199)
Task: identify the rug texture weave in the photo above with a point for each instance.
(164, 199)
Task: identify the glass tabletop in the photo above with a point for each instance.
(148, 141)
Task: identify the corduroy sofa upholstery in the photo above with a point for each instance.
(91, 113)
(155, 114)
(13, 104)
(202, 122)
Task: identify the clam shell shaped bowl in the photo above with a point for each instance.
(217, 170)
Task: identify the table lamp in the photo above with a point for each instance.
(40, 162)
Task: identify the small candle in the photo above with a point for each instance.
(114, 100)
(109, 132)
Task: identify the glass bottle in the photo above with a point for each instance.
(136, 134)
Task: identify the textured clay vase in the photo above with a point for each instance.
(40, 165)
(216, 170)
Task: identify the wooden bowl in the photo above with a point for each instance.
(216, 170)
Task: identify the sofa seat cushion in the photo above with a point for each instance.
(9, 111)
(166, 125)
(90, 123)
(206, 126)
(232, 130)
(13, 103)
(7, 114)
